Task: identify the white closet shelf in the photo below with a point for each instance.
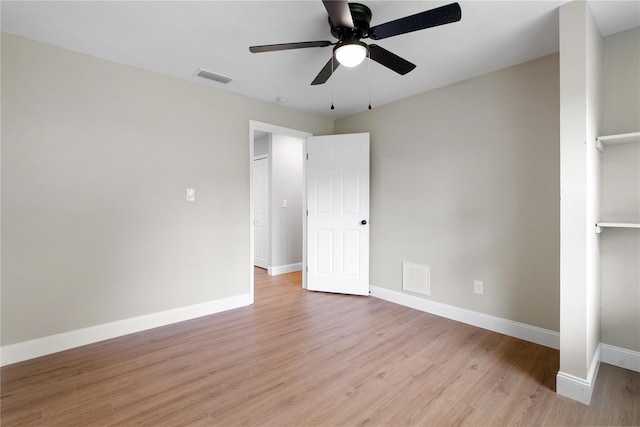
(623, 138)
(601, 225)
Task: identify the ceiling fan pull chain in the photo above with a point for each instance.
(332, 68)
(369, 55)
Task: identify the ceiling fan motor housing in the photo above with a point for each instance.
(361, 16)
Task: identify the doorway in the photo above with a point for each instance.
(285, 247)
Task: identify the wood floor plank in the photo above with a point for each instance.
(298, 358)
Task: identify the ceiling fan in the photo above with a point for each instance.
(349, 23)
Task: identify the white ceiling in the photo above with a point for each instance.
(178, 37)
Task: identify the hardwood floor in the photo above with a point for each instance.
(299, 358)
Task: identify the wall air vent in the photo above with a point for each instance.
(213, 76)
(416, 278)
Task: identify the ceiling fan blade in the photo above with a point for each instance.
(430, 18)
(326, 72)
(339, 13)
(390, 60)
(287, 46)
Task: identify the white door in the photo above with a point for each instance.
(261, 211)
(338, 213)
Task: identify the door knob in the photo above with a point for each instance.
(363, 222)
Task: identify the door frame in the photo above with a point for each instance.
(269, 128)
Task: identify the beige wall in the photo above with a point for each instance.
(621, 82)
(96, 157)
(621, 192)
(465, 179)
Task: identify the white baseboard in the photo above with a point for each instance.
(283, 269)
(31, 349)
(620, 357)
(523, 331)
(576, 388)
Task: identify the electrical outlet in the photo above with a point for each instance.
(191, 195)
(478, 287)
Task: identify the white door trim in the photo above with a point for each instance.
(269, 128)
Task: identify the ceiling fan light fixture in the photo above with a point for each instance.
(351, 53)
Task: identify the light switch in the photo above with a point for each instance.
(191, 194)
(284, 203)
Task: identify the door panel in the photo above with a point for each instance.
(338, 203)
(324, 252)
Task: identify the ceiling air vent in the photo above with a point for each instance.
(213, 76)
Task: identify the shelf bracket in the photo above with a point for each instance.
(598, 229)
(599, 146)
